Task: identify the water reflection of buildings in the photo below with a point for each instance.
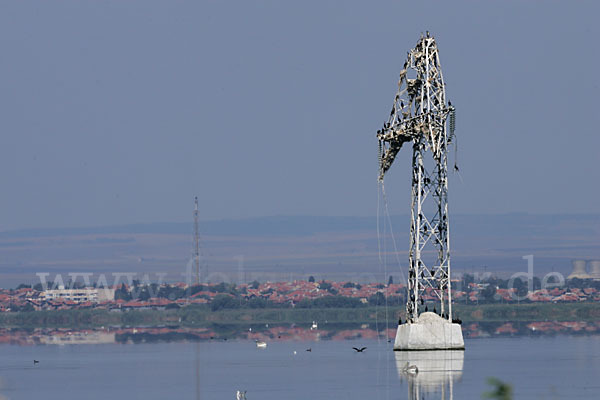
(85, 337)
(58, 336)
(438, 371)
(268, 333)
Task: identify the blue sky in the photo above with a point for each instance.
(121, 112)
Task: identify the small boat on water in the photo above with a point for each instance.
(260, 344)
(314, 326)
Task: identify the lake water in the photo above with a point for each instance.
(557, 367)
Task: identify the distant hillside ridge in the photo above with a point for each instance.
(497, 225)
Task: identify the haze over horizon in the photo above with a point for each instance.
(121, 112)
(279, 248)
(274, 221)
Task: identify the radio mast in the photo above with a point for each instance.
(196, 241)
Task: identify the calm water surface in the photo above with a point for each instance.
(560, 367)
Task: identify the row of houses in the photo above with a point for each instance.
(279, 292)
(553, 295)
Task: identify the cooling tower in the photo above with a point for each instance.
(579, 271)
(595, 269)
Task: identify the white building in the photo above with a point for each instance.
(94, 295)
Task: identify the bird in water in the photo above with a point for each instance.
(309, 349)
(410, 369)
(239, 395)
(359, 350)
(260, 344)
(36, 362)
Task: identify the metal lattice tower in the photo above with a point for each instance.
(419, 115)
(196, 241)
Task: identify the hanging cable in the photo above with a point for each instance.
(385, 274)
(387, 212)
(378, 252)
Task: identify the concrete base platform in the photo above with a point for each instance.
(430, 332)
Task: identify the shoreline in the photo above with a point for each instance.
(197, 316)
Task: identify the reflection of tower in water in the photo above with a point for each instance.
(437, 372)
(197, 371)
